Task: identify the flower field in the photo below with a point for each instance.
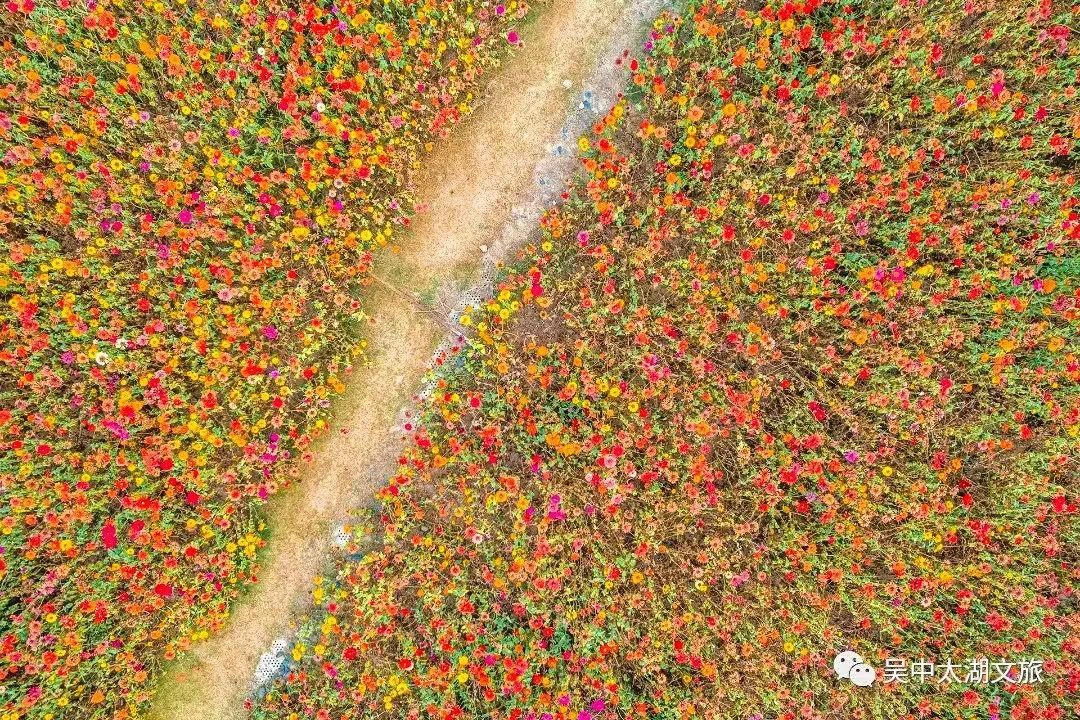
(793, 369)
(191, 194)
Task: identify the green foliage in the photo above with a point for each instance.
(793, 369)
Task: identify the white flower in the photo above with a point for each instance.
(102, 358)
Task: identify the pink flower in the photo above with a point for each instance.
(513, 37)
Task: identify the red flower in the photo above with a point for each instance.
(108, 534)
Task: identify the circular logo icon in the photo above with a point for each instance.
(851, 666)
(843, 663)
(862, 675)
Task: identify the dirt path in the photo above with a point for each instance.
(481, 192)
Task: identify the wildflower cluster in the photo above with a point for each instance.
(792, 369)
(191, 193)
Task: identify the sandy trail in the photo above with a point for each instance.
(480, 193)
